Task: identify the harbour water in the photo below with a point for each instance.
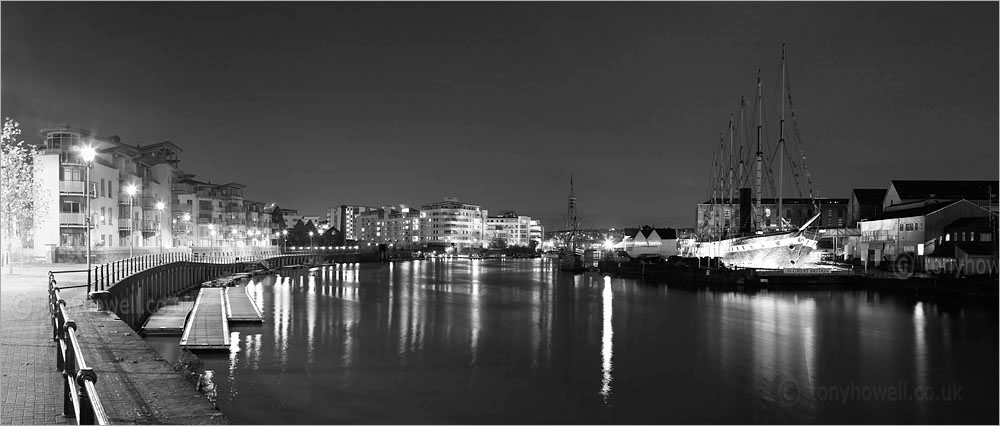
(517, 341)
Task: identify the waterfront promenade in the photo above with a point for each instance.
(136, 385)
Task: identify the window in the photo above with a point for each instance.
(908, 227)
(70, 207)
(102, 190)
(901, 227)
(74, 174)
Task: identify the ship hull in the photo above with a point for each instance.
(570, 262)
(777, 251)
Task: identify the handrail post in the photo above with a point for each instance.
(86, 415)
(69, 372)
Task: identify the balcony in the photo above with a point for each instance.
(71, 187)
(180, 208)
(149, 226)
(124, 224)
(72, 219)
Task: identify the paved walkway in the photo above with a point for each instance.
(135, 384)
(30, 385)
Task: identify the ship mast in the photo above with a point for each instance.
(730, 205)
(571, 213)
(760, 155)
(743, 141)
(781, 143)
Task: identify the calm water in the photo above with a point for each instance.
(515, 341)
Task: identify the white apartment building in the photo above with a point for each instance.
(451, 223)
(396, 225)
(508, 226)
(537, 232)
(118, 219)
(217, 215)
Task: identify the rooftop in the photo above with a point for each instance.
(870, 195)
(945, 189)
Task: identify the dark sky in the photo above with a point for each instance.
(320, 104)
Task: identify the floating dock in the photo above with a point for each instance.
(168, 320)
(240, 307)
(207, 326)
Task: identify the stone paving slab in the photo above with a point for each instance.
(135, 384)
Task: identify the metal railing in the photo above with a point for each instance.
(106, 275)
(71, 187)
(72, 218)
(80, 398)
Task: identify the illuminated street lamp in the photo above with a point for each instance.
(284, 237)
(131, 190)
(87, 153)
(159, 230)
(310, 239)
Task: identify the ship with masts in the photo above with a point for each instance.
(571, 256)
(742, 231)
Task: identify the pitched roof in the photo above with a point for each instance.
(786, 201)
(968, 224)
(945, 189)
(970, 248)
(870, 195)
(921, 210)
(646, 231)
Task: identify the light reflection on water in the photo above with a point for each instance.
(515, 341)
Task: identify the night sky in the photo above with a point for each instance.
(319, 104)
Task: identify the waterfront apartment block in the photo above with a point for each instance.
(138, 197)
(217, 215)
(396, 226)
(508, 226)
(345, 219)
(118, 218)
(536, 232)
(450, 223)
(715, 216)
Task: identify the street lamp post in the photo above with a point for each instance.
(87, 153)
(310, 240)
(187, 227)
(284, 239)
(130, 190)
(159, 226)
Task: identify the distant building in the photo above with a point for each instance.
(864, 204)
(716, 216)
(967, 246)
(216, 215)
(651, 242)
(537, 231)
(451, 223)
(916, 229)
(979, 192)
(345, 217)
(398, 226)
(510, 227)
